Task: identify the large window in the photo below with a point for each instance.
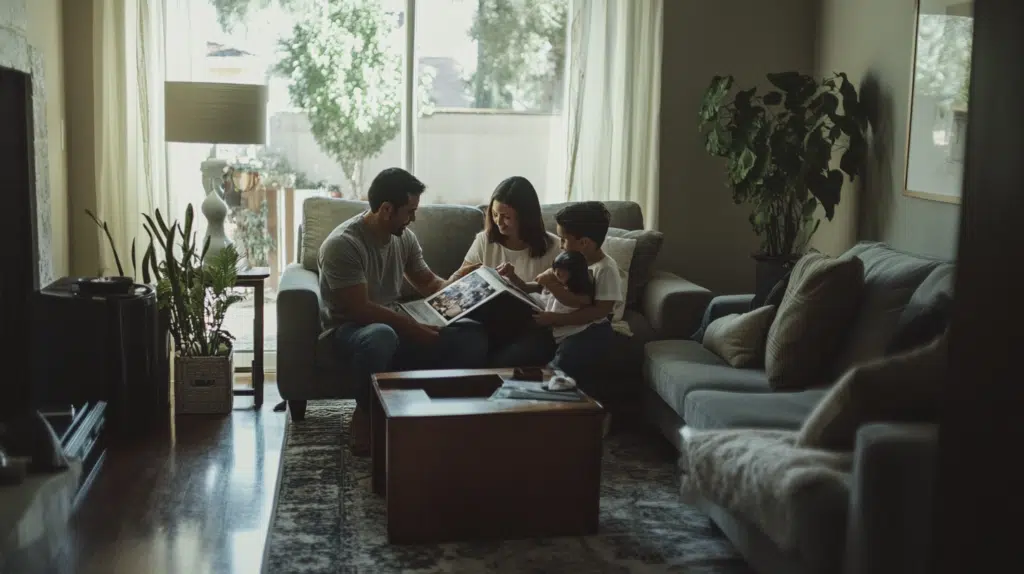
(479, 100)
(481, 103)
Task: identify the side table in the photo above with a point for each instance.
(254, 279)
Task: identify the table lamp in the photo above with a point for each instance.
(215, 113)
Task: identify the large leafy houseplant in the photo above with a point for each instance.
(779, 147)
(195, 289)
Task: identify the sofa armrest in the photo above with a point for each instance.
(890, 517)
(673, 305)
(298, 327)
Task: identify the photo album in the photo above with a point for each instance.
(481, 293)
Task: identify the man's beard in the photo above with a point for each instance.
(398, 232)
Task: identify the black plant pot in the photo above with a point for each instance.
(768, 271)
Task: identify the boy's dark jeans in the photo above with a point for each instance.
(581, 355)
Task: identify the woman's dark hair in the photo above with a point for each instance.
(518, 193)
(575, 264)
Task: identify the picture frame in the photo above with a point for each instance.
(939, 99)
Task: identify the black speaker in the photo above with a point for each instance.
(100, 344)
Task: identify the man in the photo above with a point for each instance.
(362, 266)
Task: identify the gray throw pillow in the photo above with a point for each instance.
(648, 245)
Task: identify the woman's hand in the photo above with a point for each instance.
(466, 269)
(507, 271)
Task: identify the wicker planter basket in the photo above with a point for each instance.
(204, 385)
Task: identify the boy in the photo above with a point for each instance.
(584, 334)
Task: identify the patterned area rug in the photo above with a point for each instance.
(327, 520)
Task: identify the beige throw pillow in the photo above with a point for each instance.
(903, 388)
(739, 338)
(822, 296)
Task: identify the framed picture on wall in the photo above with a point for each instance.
(939, 99)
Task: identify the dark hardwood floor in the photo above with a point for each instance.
(197, 498)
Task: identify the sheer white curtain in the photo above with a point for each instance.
(614, 99)
(128, 72)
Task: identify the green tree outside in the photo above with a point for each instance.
(520, 54)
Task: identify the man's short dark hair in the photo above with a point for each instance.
(393, 185)
(588, 219)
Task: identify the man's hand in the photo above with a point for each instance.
(546, 318)
(424, 335)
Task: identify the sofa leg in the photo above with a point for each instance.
(298, 410)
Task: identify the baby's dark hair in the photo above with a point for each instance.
(575, 264)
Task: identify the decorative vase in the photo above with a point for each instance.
(215, 210)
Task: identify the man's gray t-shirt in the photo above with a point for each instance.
(352, 255)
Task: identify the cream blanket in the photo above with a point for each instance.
(756, 474)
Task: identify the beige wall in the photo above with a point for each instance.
(708, 239)
(80, 135)
(873, 41)
(44, 34)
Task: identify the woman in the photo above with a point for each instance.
(515, 242)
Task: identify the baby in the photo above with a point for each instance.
(572, 271)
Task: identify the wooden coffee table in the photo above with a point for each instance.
(456, 466)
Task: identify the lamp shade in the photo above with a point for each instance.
(215, 113)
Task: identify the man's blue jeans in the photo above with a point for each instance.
(377, 348)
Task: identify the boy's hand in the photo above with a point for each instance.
(546, 278)
(545, 318)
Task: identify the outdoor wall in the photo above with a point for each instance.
(461, 156)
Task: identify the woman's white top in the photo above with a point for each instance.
(494, 254)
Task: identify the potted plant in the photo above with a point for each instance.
(197, 293)
(779, 148)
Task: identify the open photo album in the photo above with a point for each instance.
(482, 293)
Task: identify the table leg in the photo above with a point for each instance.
(378, 444)
(257, 363)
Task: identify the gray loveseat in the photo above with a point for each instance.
(881, 523)
(666, 306)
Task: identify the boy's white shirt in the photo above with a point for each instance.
(608, 286)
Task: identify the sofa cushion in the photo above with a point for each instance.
(320, 215)
(444, 231)
(890, 279)
(707, 409)
(906, 387)
(625, 214)
(739, 338)
(648, 246)
(820, 300)
(676, 368)
(928, 312)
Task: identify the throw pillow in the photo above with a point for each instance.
(739, 338)
(906, 387)
(648, 245)
(822, 297)
(320, 215)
